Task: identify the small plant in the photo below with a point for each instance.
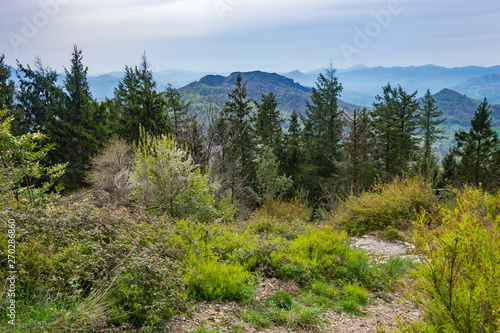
(356, 293)
(390, 234)
(322, 288)
(282, 300)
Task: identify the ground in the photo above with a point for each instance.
(378, 312)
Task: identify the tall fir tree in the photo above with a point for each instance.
(7, 88)
(396, 122)
(293, 154)
(430, 119)
(80, 128)
(322, 132)
(268, 122)
(239, 146)
(178, 112)
(39, 98)
(138, 103)
(477, 150)
(359, 149)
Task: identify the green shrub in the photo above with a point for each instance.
(322, 252)
(356, 293)
(322, 288)
(148, 290)
(457, 283)
(282, 300)
(165, 178)
(395, 204)
(212, 280)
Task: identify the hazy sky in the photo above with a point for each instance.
(270, 35)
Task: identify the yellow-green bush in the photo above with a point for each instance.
(458, 282)
(395, 204)
(322, 252)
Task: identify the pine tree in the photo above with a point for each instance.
(430, 119)
(477, 150)
(80, 128)
(268, 122)
(138, 103)
(238, 148)
(7, 88)
(322, 131)
(396, 122)
(38, 97)
(178, 112)
(359, 149)
(292, 146)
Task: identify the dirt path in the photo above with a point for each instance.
(379, 312)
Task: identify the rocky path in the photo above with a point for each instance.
(379, 312)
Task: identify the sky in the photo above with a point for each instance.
(244, 35)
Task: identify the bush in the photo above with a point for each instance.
(212, 280)
(165, 178)
(395, 204)
(457, 284)
(356, 293)
(109, 175)
(282, 300)
(322, 252)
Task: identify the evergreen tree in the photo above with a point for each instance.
(292, 146)
(238, 147)
(430, 119)
(396, 122)
(138, 103)
(268, 122)
(178, 111)
(80, 128)
(322, 132)
(477, 150)
(7, 88)
(38, 97)
(359, 149)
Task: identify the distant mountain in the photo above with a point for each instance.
(361, 84)
(483, 86)
(459, 109)
(215, 88)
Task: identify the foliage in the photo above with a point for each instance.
(479, 150)
(213, 280)
(24, 181)
(165, 178)
(322, 252)
(322, 131)
(270, 184)
(396, 117)
(458, 283)
(137, 103)
(110, 170)
(268, 122)
(7, 87)
(281, 299)
(394, 204)
(356, 293)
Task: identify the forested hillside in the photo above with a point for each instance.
(133, 213)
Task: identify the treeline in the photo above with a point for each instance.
(325, 152)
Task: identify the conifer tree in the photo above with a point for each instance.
(477, 150)
(80, 128)
(7, 88)
(268, 122)
(359, 149)
(238, 148)
(322, 131)
(178, 112)
(430, 119)
(396, 122)
(138, 103)
(292, 146)
(38, 97)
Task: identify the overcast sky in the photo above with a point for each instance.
(270, 35)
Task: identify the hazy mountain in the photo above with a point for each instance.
(361, 84)
(482, 86)
(215, 88)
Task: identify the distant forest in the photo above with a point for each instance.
(325, 153)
